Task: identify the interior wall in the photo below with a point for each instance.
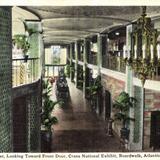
(29, 98)
(115, 87)
(5, 80)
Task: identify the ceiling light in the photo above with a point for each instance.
(117, 33)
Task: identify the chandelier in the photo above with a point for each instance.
(144, 53)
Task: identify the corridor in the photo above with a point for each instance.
(79, 129)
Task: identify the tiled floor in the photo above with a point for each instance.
(79, 129)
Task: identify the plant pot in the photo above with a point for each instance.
(124, 133)
(46, 141)
(25, 58)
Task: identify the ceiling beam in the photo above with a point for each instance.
(90, 17)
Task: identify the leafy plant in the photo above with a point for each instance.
(47, 118)
(67, 70)
(21, 41)
(95, 87)
(56, 60)
(122, 104)
(80, 77)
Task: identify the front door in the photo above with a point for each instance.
(155, 129)
(107, 104)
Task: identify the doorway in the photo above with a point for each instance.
(107, 104)
(19, 125)
(155, 130)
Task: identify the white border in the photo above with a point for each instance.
(78, 3)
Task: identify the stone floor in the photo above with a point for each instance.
(79, 129)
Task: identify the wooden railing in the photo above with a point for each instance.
(53, 70)
(113, 63)
(24, 71)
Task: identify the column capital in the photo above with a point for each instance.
(79, 40)
(72, 43)
(102, 35)
(36, 25)
(86, 39)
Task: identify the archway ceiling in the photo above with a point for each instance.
(66, 24)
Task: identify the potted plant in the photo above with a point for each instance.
(67, 70)
(122, 105)
(94, 90)
(80, 78)
(47, 117)
(21, 42)
(72, 71)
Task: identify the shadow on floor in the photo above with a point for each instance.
(79, 129)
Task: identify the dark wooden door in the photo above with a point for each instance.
(155, 129)
(19, 125)
(107, 104)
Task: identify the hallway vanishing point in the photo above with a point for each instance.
(79, 129)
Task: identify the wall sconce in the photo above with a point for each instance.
(144, 55)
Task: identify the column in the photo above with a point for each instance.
(68, 54)
(76, 62)
(35, 50)
(101, 42)
(42, 58)
(101, 46)
(71, 61)
(85, 60)
(6, 79)
(129, 87)
(34, 122)
(67, 68)
(136, 127)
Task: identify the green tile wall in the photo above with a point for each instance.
(5, 79)
(33, 123)
(35, 46)
(137, 117)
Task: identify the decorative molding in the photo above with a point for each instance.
(80, 63)
(73, 60)
(149, 84)
(91, 66)
(114, 74)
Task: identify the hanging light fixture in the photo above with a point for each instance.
(144, 54)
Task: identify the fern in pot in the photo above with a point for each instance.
(21, 42)
(94, 91)
(122, 105)
(47, 117)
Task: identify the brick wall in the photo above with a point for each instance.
(5, 79)
(152, 103)
(115, 87)
(152, 100)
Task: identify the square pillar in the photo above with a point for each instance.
(71, 61)
(101, 42)
(136, 127)
(76, 61)
(35, 40)
(6, 119)
(85, 60)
